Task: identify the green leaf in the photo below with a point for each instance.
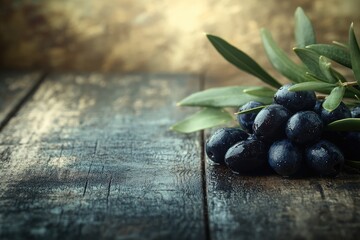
(354, 54)
(330, 74)
(336, 53)
(312, 78)
(325, 68)
(206, 118)
(348, 92)
(260, 91)
(281, 61)
(311, 86)
(334, 99)
(241, 60)
(346, 124)
(232, 96)
(304, 31)
(255, 109)
(338, 75)
(311, 61)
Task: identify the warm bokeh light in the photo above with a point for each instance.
(154, 35)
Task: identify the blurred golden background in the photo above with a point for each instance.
(155, 35)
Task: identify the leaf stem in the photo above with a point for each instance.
(345, 84)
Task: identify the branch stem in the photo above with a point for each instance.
(345, 84)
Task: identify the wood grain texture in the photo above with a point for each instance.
(90, 157)
(271, 207)
(14, 87)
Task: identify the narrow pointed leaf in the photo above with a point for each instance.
(206, 118)
(327, 71)
(252, 110)
(335, 52)
(338, 75)
(311, 86)
(312, 78)
(260, 91)
(354, 54)
(304, 31)
(327, 90)
(241, 60)
(348, 93)
(334, 99)
(232, 96)
(346, 124)
(281, 61)
(311, 61)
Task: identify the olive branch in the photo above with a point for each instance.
(316, 72)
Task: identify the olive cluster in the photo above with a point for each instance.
(288, 136)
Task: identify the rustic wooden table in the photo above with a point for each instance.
(89, 156)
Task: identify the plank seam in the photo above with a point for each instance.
(22, 101)
(203, 173)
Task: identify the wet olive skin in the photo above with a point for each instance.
(223, 138)
(341, 112)
(247, 156)
(295, 101)
(355, 112)
(285, 158)
(325, 158)
(246, 120)
(304, 127)
(269, 124)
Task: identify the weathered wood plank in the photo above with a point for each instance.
(14, 87)
(271, 207)
(90, 157)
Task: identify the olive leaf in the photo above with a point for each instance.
(241, 60)
(280, 61)
(335, 52)
(354, 53)
(331, 75)
(315, 73)
(314, 86)
(260, 91)
(311, 61)
(205, 118)
(304, 31)
(346, 124)
(334, 99)
(251, 110)
(232, 96)
(325, 67)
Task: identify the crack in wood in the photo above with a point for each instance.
(61, 150)
(87, 179)
(95, 147)
(203, 171)
(108, 191)
(204, 187)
